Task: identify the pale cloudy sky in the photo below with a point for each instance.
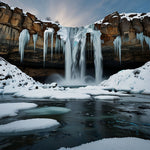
(78, 12)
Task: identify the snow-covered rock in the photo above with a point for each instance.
(114, 144)
(13, 79)
(28, 125)
(132, 80)
(11, 109)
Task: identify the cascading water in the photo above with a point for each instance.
(23, 41)
(75, 42)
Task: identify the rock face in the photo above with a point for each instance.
(12, 22)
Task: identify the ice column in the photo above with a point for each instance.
(97, 56)
(117, 46)
(68, 58)
(23, 41)
(35, 37)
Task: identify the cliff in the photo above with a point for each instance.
(127, 26)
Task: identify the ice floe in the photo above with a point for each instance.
(11, 109)
(46, 111)
(28, 125)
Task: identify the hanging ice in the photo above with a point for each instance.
(97, 56)
(117, 46)
(147, 40)
(140, 37)
(23, 41)
(35, 37)
(47, 33)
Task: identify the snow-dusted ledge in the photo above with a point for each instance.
(28, 125)
(114, 144)
(11, 109)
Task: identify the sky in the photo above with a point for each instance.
(78, 12)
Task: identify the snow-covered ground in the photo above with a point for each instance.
(28, 125)
(13, 81)
(11, 109)
(114, 144)
(133, 80)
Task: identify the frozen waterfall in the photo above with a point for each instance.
(117, 46)
(23, 41)
(75, 46)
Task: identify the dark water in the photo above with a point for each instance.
(88, 121)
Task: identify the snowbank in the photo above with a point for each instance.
(133, 80)
(11, 109)
(28, 125)
(114, 144)
(13, 79)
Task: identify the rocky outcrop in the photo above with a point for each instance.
(13, 21)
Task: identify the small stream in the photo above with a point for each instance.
(88, 120)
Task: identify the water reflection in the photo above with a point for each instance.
(87, 121)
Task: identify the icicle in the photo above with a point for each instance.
(35, 37)
(47, 32)
(97, 56)
(52, 36)
(23, 41)
(147, 40)
(82, 57)
(140, 37)
(117, 46)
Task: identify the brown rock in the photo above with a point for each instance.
(27, 23)
(37, 27)
(137, 25)
(146, 24)
(125, 26)
(18, 11)
(16, 20)
(5, 15)
(31, 16)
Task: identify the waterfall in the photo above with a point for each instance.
(117, 46)
(23, 41)
(47, 33)
(35, 37)
(75, 42)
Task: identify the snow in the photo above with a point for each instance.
(129, 16)
(28, 125)
(13, 80)
(128, 143)
(107, 97)
(11, 109)
(133, 80)
(23, 41)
